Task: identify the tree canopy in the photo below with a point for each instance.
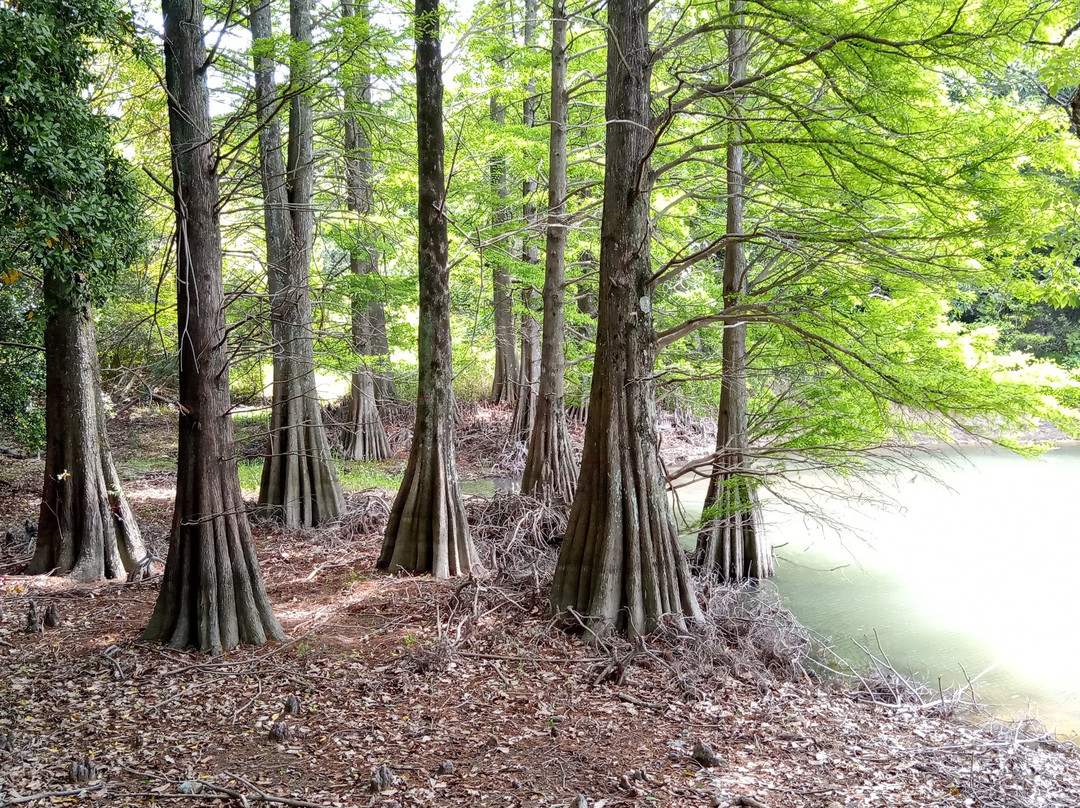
(845, 225)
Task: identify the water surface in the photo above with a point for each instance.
(974, 572)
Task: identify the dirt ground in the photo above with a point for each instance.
(466, 691)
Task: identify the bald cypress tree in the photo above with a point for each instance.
(621, 564)
(364, 436)
(212, 595)
(300, 486)
(427, 531)
(732, 546)
(550, 470)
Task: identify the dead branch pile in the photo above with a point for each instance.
(516, 536)
(747, 634)
(482, 433)
(398, 419)
(878, 682)
(510, 460)
(881, 685)
(366, 513)
(753, 622)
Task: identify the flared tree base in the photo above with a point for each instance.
(364, 434)
(300, 486)
(427, 531)
(621, 565)
(732, 547)
(550, 471)
(86, 529)
(212, 596)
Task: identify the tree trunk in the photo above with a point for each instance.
(528, 379)
(550, 471)
(427, 531)
(732, 545)
(506, 363)
(364, 434)
(621, 564)
(299, 486)
(86, 528)
(212, 595)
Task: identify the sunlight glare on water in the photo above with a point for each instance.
(978, 573)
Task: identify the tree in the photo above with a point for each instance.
(427, 530)
(212, 594)
(364, 435)
(529, 369)
(732, 546)
(69, 210)
(299, 483)
(621, 564)
(870, 189)
(506, 362)
(550, 471)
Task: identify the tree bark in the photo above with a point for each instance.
(364, 434)
(427, 531)
(732, 546)
(86, 528)
(621, 564)
(212, 595)
(528, 379)
(506, 362)
(299, 486)
(550, 472)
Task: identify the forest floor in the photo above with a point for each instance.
(465, 690)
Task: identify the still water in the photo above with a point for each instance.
(974, 572)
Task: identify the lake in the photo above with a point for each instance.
(975, 571)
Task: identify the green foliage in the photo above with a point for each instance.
(22, 366)
(69, 211)
(68, 207)
(882, 179)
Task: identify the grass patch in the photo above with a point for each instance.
(250, 474)
(144, 464)
(355, 475)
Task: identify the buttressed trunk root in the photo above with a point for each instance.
(621, 563)
(427, 531)
(86, 528)
(212, 596)
(364, 436)
(731, 547)
(300, 487)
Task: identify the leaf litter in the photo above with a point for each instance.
(404, 691)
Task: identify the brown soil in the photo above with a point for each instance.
(415, 674)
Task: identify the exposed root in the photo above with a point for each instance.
(482, 433)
